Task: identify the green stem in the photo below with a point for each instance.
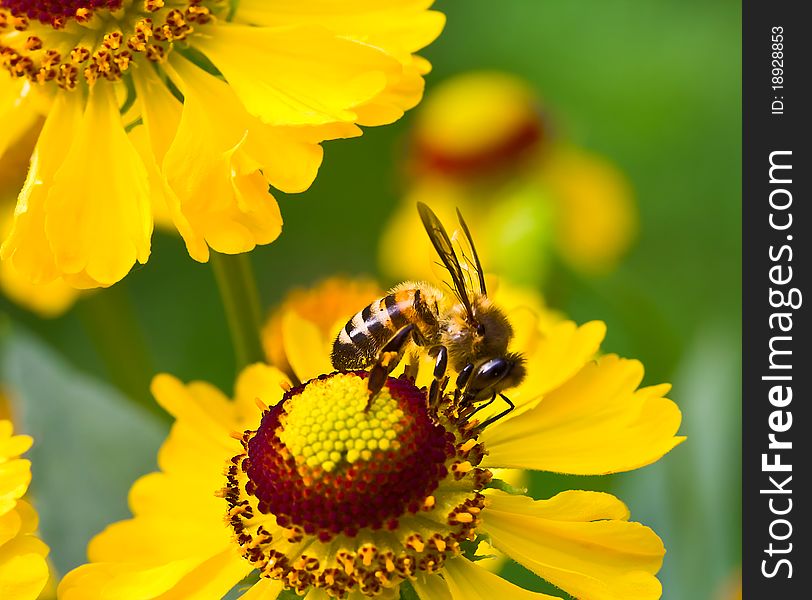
(238, 291)
(112, 326)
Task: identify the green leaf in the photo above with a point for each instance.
(407, 591)
(90, 444)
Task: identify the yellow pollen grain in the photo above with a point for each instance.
(328, 427)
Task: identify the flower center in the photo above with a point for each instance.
(322, 462)
(334, 494)
(55, 11)
(68, 42)
(526, 138)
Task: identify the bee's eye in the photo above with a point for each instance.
(480, 330)
(492, 371)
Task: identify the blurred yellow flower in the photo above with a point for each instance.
(317, 312)
(23, 565)
(46, 299)
(332, 500)
(109, 76)
(483, 143)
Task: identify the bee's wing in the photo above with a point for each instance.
(477, 265)
(442, 243)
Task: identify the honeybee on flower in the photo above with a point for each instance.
(466, 332)
(329, 497)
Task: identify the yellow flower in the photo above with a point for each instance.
(46, 299)
(484, 143)
(263, 84)
(315, 313)
(23, 566)
(311, 317)
(332, 500)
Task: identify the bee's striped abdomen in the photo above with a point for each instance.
(359, 342)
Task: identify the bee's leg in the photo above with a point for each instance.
(464, 376)
(461, 399)
(388, 359)
(440, 379)
(481, 406)
(510, 407)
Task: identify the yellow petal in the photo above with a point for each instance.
(12, 446)
(290, 157)
(431, 587)
(308, 76)
(152, 493)
(257, 381)
(46, 299)
(10, 525)
(165, 206)
(21, 545)
(597, 422)
(15, 475)
(606, 559)
(123, 581)
(561, 354)
(29, 519)
(97, 216)
(264, 589)
(306, 347)
(220, 192)
(401, 94)
(195, 405)
(571, 505)
(467, 581)
(23, 577)
(162, 539)
(160, 112)
(27, 245)
(16, 113)
(554, 357)
(400, 26)
(212, 579)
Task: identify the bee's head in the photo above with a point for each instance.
(492, 375)
(487, 335)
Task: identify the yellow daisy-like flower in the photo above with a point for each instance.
(328, 498)
(262, 82)
(310, 317)
(483, 143)
(23, 565)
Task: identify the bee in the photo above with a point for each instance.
(464, 330)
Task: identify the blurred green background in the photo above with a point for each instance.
(653, 86)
